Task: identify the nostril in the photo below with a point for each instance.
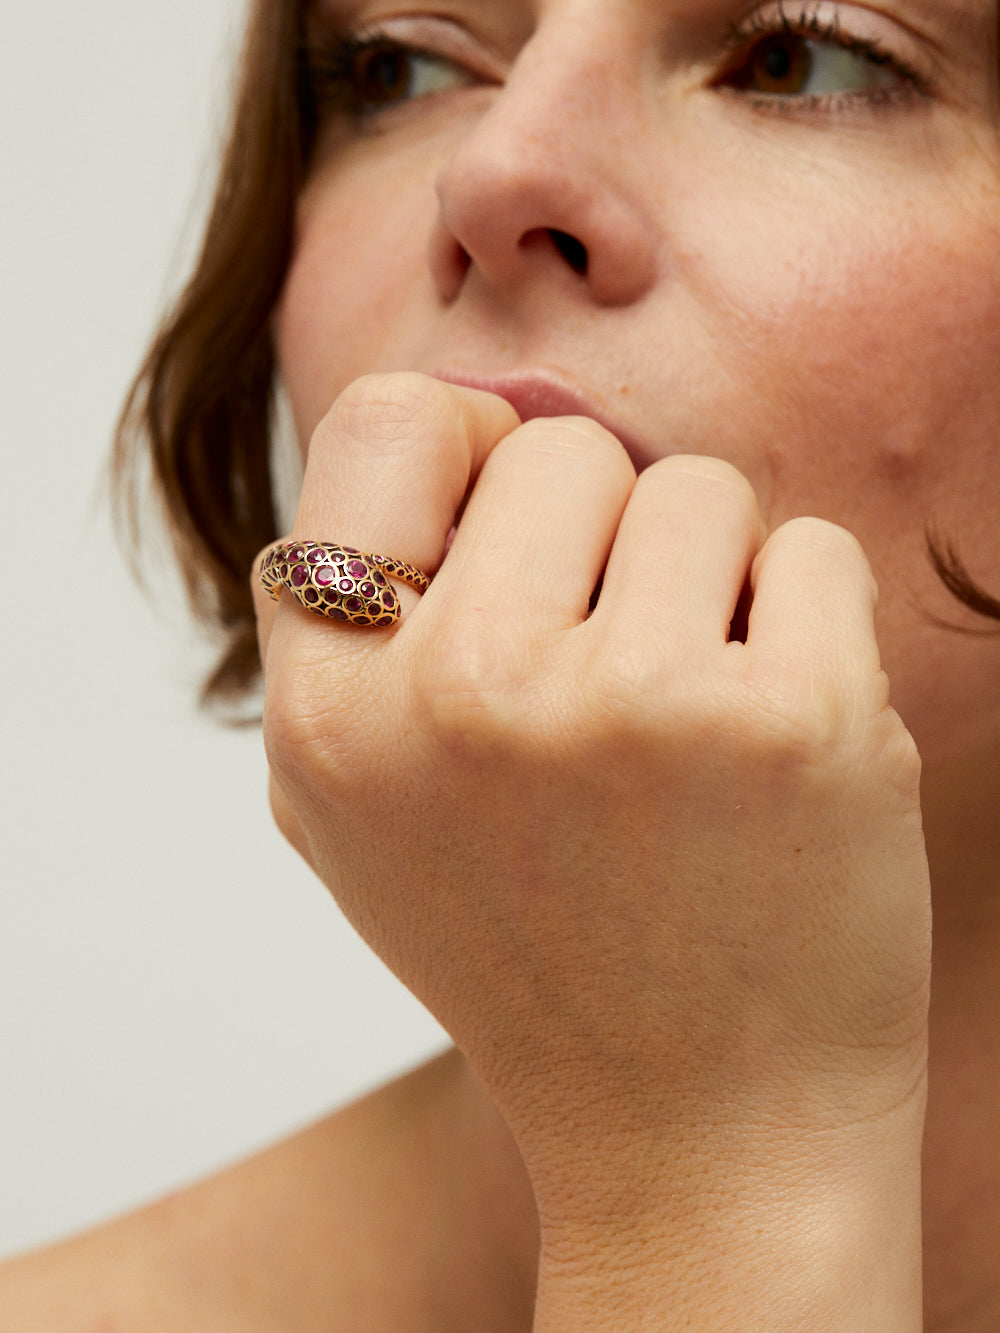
(573, 251)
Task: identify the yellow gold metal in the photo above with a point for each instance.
(339, 582)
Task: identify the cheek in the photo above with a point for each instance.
(343, 302)
(876, 338)
(865, 343)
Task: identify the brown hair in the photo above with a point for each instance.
(202, 404)
(200, 409)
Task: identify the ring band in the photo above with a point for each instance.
(339, 582)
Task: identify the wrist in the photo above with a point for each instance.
(755, 1232)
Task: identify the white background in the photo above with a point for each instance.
(175, 988)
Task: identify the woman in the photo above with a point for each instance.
(621, 796)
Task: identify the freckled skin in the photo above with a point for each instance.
(805, 301)
(811, 297)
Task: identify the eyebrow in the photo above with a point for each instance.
(931, 18)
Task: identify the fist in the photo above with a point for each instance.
(621, 797)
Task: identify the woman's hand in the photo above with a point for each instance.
(666, 890)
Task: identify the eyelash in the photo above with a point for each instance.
(332, 71)
(809, 26)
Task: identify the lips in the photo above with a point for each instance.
(532, 395)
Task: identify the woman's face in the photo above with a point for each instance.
(764, 231)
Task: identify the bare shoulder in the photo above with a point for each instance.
(300, 1238)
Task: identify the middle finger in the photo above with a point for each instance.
(536, 532)
(681, 557)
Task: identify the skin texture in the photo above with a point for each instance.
(407, 1210)
(668, 890)
(809, 293)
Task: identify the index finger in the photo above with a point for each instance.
(387, 470)
(390, 464)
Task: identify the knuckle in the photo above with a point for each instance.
(307, 737)
(819, 740)
(826, 542)
(476, 690)
(798, 737)
(290, 737)
(701, 474)
(822, 534)
(568, 437)
(625, 681)
(790, 714)
(550, 447)
(285, 820)
(694, 491)
(388, 414)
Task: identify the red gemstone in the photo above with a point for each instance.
(315, 556)
(325, 576)
(300, 575)
(346, 585)
(367, 589)
(354, 604)
(357, 568)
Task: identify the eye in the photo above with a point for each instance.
(385, 71)
(370, 74)
(790, 65)
(813, 58)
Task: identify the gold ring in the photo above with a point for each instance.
(339, 582)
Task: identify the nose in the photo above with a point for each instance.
(546, 183)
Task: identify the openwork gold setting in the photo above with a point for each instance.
(339, 582)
